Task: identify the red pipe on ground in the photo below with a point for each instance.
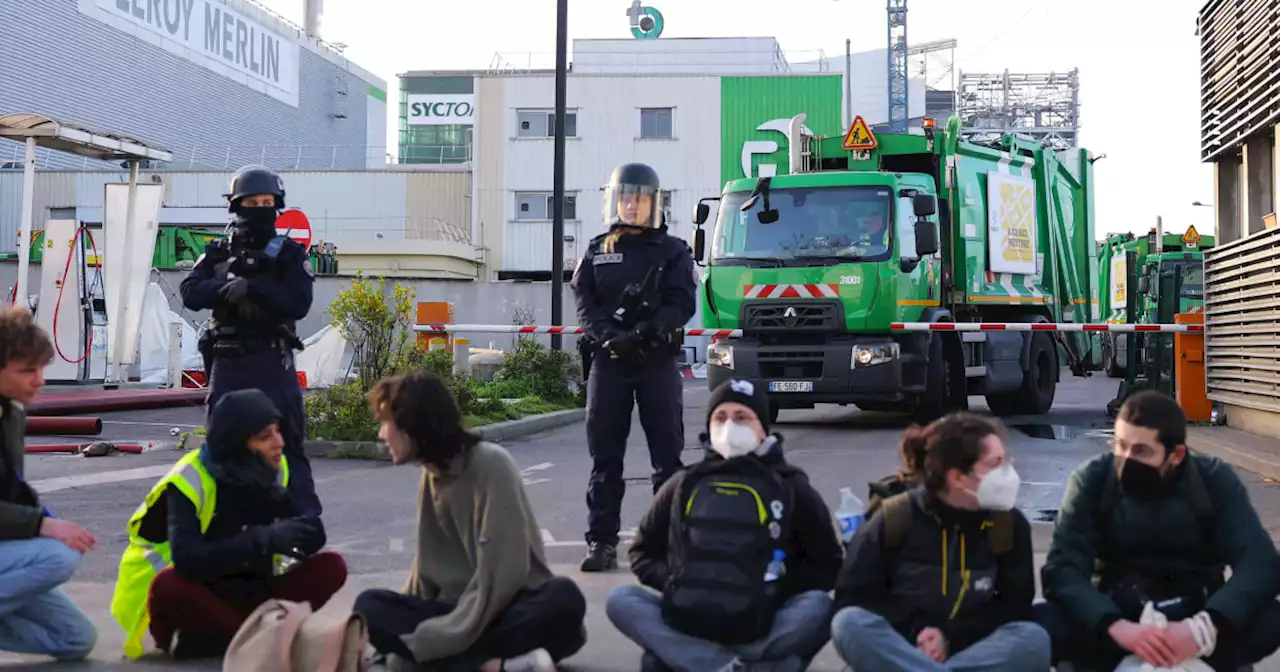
(105, 401)
(64, 426)
(77, 447)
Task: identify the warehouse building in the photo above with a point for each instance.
(219, 83)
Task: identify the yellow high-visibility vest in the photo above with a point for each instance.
(143, 560)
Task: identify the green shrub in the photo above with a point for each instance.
(534, 370)
(340, 413)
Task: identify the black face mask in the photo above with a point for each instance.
(1139, 478)
(256, 225)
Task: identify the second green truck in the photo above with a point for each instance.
(835, 271)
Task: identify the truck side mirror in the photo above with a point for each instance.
(699, 242)
(701, 213)
(924, 205)
(926, 238)
(1144, 285)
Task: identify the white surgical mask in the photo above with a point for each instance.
(733, 440)
(998, 490)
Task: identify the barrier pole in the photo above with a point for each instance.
(433, 312)
(1189, 370)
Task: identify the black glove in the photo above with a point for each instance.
(234, 291)
(627, 346)
(292, 537)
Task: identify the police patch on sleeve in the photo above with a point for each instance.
(306, 266)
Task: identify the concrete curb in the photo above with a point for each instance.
(376, 450)
(1242, 449)
(499, 431)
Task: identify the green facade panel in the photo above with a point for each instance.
(754, 112)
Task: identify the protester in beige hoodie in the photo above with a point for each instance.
(480, 595)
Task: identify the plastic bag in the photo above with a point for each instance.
(1133, 663)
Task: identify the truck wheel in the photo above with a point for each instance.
(1110, 363)
(1039, 382)
(941, 392)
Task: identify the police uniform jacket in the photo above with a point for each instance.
(282, 288)
(602, 278)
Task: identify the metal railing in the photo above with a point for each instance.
(1242, 307)
(231, 157)
(743, 61)
(335, 229)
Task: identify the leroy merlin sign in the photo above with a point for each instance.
(755, 111)
(441, 109)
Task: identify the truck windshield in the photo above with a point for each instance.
(1192, 277)
(815, 225)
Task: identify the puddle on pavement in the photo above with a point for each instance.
(637, 480)
(1046, 516)
(1051, 432)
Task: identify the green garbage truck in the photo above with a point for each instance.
(821, 268)
(1181, 253)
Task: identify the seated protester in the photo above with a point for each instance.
(38, 553)
(942, 577)
(480, 595)
(1152, 522)
(222, 530)
(740, 549)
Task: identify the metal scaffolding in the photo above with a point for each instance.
(1042, 106)
(897, 63)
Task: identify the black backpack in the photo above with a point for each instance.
(898, 513)
(729, 518)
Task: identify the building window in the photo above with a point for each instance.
(542, 124)
(655, 123)
(538, 206)
(666, 208)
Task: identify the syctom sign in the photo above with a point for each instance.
(442, 109)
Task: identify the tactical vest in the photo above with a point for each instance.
(252, 264)
(731, 518)
(143, 560)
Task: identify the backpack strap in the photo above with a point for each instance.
(897, 519)
(1000, 532)
(1107, 500)
(1199, 493)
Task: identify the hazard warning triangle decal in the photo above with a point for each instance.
(859, 136)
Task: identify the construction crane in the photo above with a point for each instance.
(897, 62)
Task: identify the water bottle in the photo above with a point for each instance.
(776, 569)
(850, 513)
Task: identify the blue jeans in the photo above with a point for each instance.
(867, 642)
(36, 617)
(799, 632)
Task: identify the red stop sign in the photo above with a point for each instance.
(294, 224)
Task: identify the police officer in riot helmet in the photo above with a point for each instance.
(258, 285)
(635, 290)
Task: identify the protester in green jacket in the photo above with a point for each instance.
(1152, 522)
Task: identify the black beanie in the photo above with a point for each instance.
(746, 392)
(236, 417)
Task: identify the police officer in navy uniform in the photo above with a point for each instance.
(635, 290)
(258, 285)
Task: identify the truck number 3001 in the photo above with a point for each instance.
(851, 279)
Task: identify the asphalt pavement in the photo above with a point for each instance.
(370, 507)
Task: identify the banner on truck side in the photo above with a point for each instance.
(1011, 223)
(1119, 282)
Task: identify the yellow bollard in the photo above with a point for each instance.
(437, 343)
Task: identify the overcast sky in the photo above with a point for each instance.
(1139, 63)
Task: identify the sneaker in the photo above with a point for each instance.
(537, 660)
(600, 558)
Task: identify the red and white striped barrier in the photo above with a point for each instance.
(1045, 326)
(537, 329)
(897, 326)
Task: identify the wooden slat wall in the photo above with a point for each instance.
(1242, 322)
